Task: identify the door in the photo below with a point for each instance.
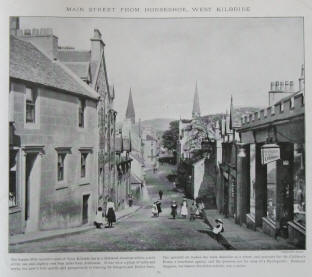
(85, 208)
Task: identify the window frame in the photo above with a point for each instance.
(81, 113)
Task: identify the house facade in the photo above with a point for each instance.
(53, 139)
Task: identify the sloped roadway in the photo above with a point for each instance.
(139, 231)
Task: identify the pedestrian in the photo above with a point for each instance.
(193, 211)
(130, 197)
(110, 213)
(201, 208)
(160, 194)
(158, 204)
(154, 209)
(218, 229)
(184, 208)
(99, 218)
(174, 208)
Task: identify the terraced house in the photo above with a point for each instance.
(62, 132)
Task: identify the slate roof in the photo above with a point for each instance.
(81, 69)
(29, 63)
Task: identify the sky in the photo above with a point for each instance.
(162, 59)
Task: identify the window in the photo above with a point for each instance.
(60, 166)
(30, 105)
(13, 179)
(252, 179)
(82, 105)
(83, 165)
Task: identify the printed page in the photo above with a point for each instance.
(152, 138)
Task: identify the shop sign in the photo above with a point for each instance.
(270, 153)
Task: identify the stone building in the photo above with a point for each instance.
(272, 168)
(53, 138)
(90, 66)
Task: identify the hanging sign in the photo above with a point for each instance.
(270, 153)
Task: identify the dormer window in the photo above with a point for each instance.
(81, 112)
(31, 98)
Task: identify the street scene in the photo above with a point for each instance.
(176, 137)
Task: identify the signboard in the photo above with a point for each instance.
(270, 153)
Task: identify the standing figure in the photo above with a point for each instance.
(110, 213)
(184, 208)
(130, 197)
(193, 210)
(174, 208)
(99, 219)
(158, 204)
(160, 194)
(154, 209)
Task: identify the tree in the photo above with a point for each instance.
(171, 136)
(202, 130)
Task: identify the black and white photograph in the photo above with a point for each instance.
(148, 134)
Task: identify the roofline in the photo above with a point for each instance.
(55, 88)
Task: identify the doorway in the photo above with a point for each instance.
(85, 208)
(32, 192)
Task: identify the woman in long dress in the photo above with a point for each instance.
(184, 209)
(110, 213)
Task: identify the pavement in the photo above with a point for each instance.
(236, 237)
(42, 235)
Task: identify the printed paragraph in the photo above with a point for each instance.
(82, 263)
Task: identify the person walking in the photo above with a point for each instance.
(110, 213)
(193, 211)
(154, 209)
(158, 204)
(160, 194)
(99, 219)
(174, 208)
(184, 208)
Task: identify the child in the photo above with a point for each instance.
(154, 210)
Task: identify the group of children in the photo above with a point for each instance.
(110, 215)
(196, 210)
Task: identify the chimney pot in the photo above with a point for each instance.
(27, 32)
(282, 86)
(291, 85)
(272, 86)
(35, 32)
(277, 85)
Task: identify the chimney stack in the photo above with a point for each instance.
(97, 45)
(14, 25)
(286, 85)
(291, 85)
(301, 79)
(42, 38)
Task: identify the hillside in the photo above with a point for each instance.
(158, 124)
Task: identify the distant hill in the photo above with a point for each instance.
(237, 114)
(158, 124)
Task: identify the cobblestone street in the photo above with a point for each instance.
(138, 231)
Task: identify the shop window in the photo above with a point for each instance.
(13, 179)
(60, 166)
(299, 185)
(31, 98)
(271, 191)
(82, 105)
(252, 179)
